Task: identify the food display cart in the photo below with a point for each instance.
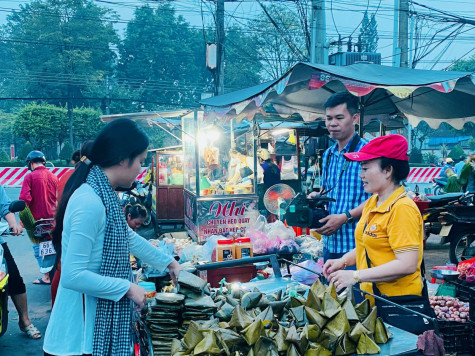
(219, 174)
(167, 188)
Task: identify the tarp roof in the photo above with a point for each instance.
(432, 96)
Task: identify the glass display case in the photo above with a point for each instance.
(220, 174)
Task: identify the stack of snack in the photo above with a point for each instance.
(164, 321)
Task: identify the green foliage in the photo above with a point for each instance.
(369, 33)
(429, 158)
(4, 156)
(415, 156)
(465, 65)
(26, 148)
(457, 152)
(66, 152)
(87, 123)
(444, 150)
(471, 144)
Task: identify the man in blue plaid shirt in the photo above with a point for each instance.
(340, 179)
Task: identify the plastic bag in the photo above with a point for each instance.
(192, 253)
(210, 246)
(260, 223)
(303, 276)
(277, 229)
(259, 241)
(288, 247)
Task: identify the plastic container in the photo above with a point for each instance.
(243, 247)
(225, 250)
(149, 287)
(458, 337)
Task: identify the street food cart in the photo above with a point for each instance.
(167, 188)
(219, 174)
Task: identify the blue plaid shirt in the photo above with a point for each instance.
(348, 193)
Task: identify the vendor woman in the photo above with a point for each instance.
(389, 235)
(243, 166)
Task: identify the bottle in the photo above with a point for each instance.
(225, 250)
(243, 247)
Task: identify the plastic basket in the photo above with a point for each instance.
(466, 292)
(458, 337)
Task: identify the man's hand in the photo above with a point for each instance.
(174, 271)
(16, 229)
(332, 224)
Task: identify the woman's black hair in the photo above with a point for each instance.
(400, 168)
(136, 211)
(121, 139)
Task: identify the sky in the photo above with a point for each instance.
(342, 17)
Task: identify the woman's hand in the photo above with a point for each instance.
(341, 279)
(333, 266)
(174, 271)
(137, 295)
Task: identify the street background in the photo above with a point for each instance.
(16, 343)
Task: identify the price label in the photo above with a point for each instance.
(46, 248)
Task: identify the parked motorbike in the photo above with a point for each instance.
(43, 233)
(15, 206)
(452, 217)
(438, 185)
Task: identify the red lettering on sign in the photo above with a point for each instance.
(218, 209)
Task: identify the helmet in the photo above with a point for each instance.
(449, 160)
(35, 157)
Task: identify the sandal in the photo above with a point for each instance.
(31, 331)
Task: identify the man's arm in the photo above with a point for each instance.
(335, 221)
(25, 193)
(11, 220)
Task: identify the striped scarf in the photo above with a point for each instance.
(112, 324)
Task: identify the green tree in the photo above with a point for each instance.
(62, 50)
(464, 65)
(457, 152)
(430, 158)
(369, 33)
(66, 152)
(4, 157)
(415, 156)
(444, 150)
(87, 124)
(162, 60)
(43, 125)
(26, 148)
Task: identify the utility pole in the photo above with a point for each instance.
(318, 28)
(219, 83)
(396, 49)
(403, 41)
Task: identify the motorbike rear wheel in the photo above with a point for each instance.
(438, 190)
(462, 246)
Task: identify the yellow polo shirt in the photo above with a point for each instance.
(394, 227)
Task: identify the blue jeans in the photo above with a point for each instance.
(36, 251)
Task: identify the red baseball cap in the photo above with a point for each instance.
(391, 146)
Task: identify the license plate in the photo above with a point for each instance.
(46, 248)
(445, 230)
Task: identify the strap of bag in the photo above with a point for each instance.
(352, 148)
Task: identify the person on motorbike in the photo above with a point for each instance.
(16, 286)
(447, 169)
(136, 215)
(92, 311)
(39, 193)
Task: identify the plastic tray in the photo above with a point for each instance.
(458, 337)
(466, 292)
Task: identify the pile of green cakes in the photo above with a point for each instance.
(283, 323)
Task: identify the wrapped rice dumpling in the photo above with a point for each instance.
(312, 332)
(350, 311)
(278, 306)
(339, 325)
(317, 350)
(250, 300)
(314, 317)
(240, 319)
(193, 336)
(280, 339)
(313, 301)
(297, 301)
(191, 281)
(370, 321)
(298, 314)
(232, 301)
(266, 316)
(177, 346)
(332, 291)
(318, 289)
(228, 340)
(330, 307)
(276, 296)
(363, 309)
(357, 331)
(292, 335)
(225, 312)
(327, 339)
(344, 346)
(292, 351)
(253, 332)
(265, 347)
(381, 332)
(366, 345)
(208, 345)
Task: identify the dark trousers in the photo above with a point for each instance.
(47, 354)
(15, 281)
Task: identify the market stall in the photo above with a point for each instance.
(220, 175)
(167, 188)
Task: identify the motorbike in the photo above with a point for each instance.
(14, 207)
(452, 217)
(43, 233)
(438, 185)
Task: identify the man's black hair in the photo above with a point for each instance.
(344, 97)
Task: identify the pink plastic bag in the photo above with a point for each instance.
(259, 240)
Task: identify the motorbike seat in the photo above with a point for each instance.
(444, 198)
